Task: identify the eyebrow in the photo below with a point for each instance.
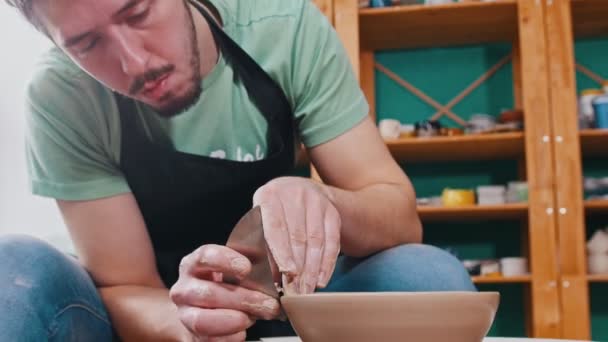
(130, 4)
(78, 38)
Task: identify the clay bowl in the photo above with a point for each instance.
(392, 316)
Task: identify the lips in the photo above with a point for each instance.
(156, 89)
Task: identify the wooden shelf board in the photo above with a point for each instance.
(596, 206)
(466, 147)
(598, 278)
(589, 18)
(417, 26)
(501, 280)
(474, 212)
(594, 142)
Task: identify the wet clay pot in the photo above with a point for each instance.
(392, 316)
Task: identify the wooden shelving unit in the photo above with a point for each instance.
(596, 206)
(598, 278)
(589, 18)
(502, 280)
(473, 213)
(466, 147)
(416, 26)
(594, 142)
(521, 23)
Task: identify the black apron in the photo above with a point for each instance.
(189, 200)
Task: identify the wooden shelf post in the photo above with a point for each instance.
(568, 172)
(536, 104)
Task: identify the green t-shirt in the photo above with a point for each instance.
(73, 139)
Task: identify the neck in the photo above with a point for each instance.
(208, 50)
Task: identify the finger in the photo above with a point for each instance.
(333, 227)
(275, 229)
(290, 286)
(238, 337)
(210, 295)
(214, 322)
(315, 229)
(296, 225)
(215, 258)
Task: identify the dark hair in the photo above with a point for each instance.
(25, 8)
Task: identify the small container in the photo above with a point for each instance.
(517, 192)
(436, 201)
(428, 128)
(598, 244)
(389, 128)
(437, 2)
(481, 123)
(380, 3)
(408, 131)
(513, 266)
(598, 264)
(490, 268)
(513, 115)
(491, 194)
(473, 267)
(586, 114)
(600, 109)
(457, 197)
(451, 132)
(423, 201)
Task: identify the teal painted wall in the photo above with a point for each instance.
(443, 74)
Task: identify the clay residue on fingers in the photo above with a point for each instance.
(269, 306)
(240, 265)
(290, 285)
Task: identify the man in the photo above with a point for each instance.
(156, 125)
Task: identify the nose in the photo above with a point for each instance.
(132, 54)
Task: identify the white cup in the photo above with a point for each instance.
(389, 128)
(515, 266)
(598, 263)
(598, 244)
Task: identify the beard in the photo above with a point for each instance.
(177, 104)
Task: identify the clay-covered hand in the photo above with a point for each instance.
(302, 230)
(211, 309)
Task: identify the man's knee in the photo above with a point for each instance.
(46, 294)
(418, 267)
(29, 263)
(25, 253)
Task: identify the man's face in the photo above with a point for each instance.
(145, 49)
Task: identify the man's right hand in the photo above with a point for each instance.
(213, 310)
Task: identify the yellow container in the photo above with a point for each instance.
(457, 197)
(592, 92)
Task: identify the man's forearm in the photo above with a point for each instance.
(376, 217)
(144, 314)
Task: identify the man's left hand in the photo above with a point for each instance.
(302, 230)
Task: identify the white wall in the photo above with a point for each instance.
(20, 212)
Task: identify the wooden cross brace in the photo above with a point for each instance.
(587, 72)
(445, 109)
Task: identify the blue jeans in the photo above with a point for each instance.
(46, 295)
